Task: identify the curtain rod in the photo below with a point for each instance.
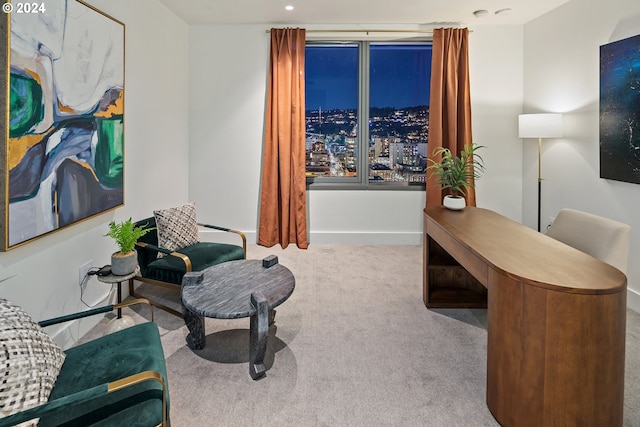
(370, 31)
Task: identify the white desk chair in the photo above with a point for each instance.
(600, 237)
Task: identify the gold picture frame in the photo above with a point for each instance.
(62, 157)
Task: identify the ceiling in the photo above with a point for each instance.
(429, 13)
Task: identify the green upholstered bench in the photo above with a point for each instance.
(116, 380)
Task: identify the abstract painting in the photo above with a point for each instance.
(620, 110)
(63, 150)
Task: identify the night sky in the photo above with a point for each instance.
(399, 77)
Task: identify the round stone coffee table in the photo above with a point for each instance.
(232, 290)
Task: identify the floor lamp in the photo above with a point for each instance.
(540, 126)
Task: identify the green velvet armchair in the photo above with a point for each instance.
(167, 271)
(116, 380)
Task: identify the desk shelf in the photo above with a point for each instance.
(448, 284)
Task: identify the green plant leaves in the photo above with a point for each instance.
(126, 234)
(457, 172)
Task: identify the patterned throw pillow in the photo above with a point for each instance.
(177, 227)
(29, 362)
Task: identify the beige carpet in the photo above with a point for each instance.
(353, 346)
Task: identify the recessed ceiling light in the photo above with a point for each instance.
(480, 13)
(288, 7)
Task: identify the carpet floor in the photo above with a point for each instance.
(353, 346)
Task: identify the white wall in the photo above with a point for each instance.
(562, 75)
(228, 68)
(43, 275)
(496, 65)
(227, 85)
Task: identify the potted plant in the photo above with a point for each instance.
(456, 173)
(126, 234)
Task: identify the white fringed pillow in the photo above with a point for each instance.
(29, 362)
(177, 227)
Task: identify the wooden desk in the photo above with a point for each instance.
(556, 317)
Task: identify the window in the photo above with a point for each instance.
(367, 114)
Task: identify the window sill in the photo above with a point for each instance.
(386, 186)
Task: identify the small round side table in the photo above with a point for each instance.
(120, 321)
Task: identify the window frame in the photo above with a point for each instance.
(361, 182)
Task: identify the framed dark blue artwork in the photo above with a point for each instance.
(620, 110)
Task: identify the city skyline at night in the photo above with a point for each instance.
(396, 134)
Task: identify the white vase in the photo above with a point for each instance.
(455, 203)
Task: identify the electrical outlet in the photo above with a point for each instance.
(84, 269)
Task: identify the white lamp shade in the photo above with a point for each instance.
(547, 125)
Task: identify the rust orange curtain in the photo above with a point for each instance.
(283, 207)
(450, 102)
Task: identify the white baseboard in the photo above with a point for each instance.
(328, 237)
(366, 238)
(633, 300)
